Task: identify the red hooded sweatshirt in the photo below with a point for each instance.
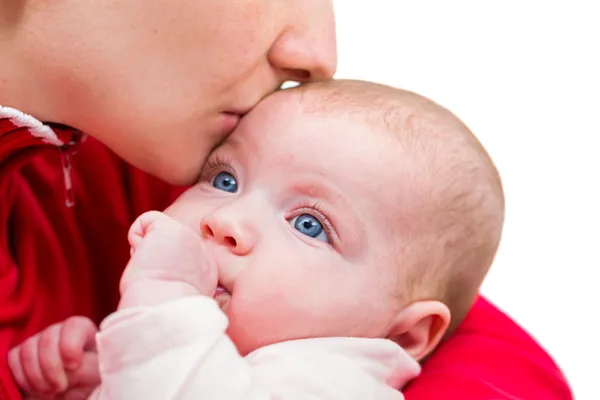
(58, 260)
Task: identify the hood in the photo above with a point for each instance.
(21, 135)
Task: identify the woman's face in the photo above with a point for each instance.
(162, 82)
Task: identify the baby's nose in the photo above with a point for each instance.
(228, 233)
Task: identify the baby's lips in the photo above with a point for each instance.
(220, 290)
(222, 296)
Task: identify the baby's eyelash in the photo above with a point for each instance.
(316, 205)
(219, 162)
(216, 164)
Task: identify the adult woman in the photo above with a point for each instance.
(160, 85)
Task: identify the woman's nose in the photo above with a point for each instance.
(307, 50)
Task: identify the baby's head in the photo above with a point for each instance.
(347, 208)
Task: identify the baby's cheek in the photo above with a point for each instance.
(256, 319)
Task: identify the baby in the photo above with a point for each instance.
(343, 229)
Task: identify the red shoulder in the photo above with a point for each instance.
(489, 356)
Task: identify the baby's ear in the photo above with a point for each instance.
(420, 326)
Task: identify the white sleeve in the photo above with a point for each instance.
(179, 350)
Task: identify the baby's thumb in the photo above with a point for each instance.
(88, 374)
(77, 335)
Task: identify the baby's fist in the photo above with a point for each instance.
(57, 359)
(165, 255)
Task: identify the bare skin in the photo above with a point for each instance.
(61, 360)
(160, 85)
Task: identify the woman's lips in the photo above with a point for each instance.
(230, 121)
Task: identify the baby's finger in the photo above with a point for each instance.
(77, 335)
(50, 358)
(31, 366)
(142, 225)
(88, 374)
(16, 368)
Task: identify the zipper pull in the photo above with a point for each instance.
(66, 154)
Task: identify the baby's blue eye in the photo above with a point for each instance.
(309, 225)
(226, 182)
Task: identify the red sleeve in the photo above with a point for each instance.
(489, 357)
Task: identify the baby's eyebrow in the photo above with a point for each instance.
(316, 190)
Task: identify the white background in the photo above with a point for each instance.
(524, 76)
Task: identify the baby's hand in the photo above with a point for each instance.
(59, 362)
(168, 261)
